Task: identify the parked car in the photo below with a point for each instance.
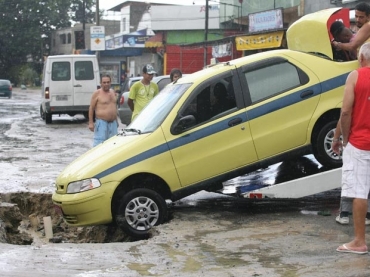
(279, 104)
(124, 111)
(6, 88)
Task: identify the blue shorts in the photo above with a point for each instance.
(103, 130)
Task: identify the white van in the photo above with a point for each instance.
(69, 81)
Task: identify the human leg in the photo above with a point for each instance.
(359, 213)
(355, 183)
(367, 219)
(100, 131)
(112, 129)
(344, 210)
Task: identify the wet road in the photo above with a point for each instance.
(32, 153)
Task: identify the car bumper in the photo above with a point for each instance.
(5, 94)
(86, 208)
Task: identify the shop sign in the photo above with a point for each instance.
(267, 20)
(260, 41)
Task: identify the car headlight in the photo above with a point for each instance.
(83, 185)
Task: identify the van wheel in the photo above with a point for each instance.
(48, 118)
(322, 146)
(42, 113)
(139, 211)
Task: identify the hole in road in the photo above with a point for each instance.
(21, 223)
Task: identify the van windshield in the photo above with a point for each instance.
(157, 110)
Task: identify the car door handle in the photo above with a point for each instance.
(235, 121)
(306, 93)
(77, 86)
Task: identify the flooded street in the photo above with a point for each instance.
(209, 234)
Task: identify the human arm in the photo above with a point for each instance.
(93, 101)
(347, 106)
(131, 97)
(361, 36)
(336, 144)
(130, 104)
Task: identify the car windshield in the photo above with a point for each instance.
(153, 115)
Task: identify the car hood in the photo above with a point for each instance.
(311, 34)
(99, 158)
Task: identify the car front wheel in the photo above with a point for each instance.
(140, 210)
(322, 146)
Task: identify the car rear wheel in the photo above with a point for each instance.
(139, 211)
(322, 146)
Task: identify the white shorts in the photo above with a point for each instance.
(355, 172)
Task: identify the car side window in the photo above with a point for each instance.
(163, 82)
(84, 70)
(268, 81)
(61, 71)
(212, 101)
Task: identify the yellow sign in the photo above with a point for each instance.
(260, 41)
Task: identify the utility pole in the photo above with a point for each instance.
(241, 15)
(206, 33)
(97, 16)
(97, 20)
(83, 14)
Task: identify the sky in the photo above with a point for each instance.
(107, 4)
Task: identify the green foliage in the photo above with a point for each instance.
(28, 76)
(26, 27)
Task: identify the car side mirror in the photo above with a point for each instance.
(184, 123)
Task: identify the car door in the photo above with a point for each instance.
(219, 141)
(84, 83)
(282, 96)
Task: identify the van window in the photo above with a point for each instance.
(61, 71)
(84, 70)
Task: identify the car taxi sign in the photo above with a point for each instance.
(97, 38)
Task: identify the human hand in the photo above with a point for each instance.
(91, 126)
(336, 44)
(336, 146)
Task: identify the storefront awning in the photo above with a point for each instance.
(259, 41)
(155, 41)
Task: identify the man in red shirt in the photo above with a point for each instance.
(355, 125)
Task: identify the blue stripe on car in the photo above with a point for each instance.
(223, 125)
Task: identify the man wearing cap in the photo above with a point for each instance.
(141, 93)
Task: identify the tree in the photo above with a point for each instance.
(26, 26)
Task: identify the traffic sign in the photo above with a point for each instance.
(97, 38)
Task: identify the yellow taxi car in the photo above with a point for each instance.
(211, 126)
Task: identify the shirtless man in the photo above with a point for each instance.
(103, 103)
